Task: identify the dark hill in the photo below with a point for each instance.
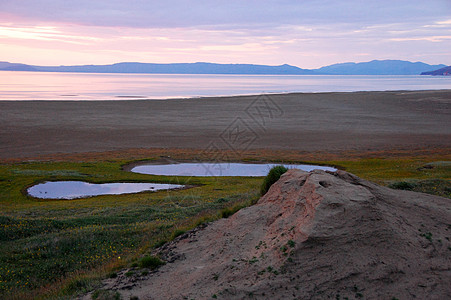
(446, 71)
(379, 67)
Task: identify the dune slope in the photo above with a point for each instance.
(314, 235)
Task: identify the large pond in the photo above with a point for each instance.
(80, 189)
(217, 169)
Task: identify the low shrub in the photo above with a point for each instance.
(273, 175)
(151, 262)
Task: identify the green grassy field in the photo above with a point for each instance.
(55, 249)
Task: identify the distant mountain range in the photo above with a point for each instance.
(375, 67)
(177, 68)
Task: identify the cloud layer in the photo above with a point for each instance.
(304, 33)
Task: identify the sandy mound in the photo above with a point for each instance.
(314, 235)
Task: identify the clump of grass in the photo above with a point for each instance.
(403, 185)
(203, 220)
(177, 232)
(273, 175)
(427, 236)
(151, 262)
(106, 295)
(253, 260)
(160, 243)
(228, 211)
(129, 273)
(439, 187)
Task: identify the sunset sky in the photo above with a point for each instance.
(308, 34)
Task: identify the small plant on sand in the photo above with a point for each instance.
(253, 260)
(151, 262)
(129, 273)
(273, 175)
(427, 236)
(283, 249)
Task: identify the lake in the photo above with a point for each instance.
(83, 86)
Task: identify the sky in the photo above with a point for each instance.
(304, 33)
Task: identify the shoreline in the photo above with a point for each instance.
(129, 98)
(332, 122)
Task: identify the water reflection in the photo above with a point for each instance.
(91, 86)
(217, 169)
(80, 189)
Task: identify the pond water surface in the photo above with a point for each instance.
(217, 169)
(80, 189)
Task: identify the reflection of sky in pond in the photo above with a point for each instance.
(217, 169)
(80, 189)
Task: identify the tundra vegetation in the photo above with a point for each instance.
(59, 248)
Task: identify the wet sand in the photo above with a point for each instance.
(332, 122)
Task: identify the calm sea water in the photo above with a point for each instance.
(80, 86)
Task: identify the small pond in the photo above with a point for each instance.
(80, 189)
(217, 169)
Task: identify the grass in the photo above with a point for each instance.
(438, 187)
(151, 262)
(105, 295)
(273, 175)
(45, 245)
(58, 248)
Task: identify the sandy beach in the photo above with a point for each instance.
(333, 122)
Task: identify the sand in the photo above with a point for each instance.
(317, 235)
(334, 122)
